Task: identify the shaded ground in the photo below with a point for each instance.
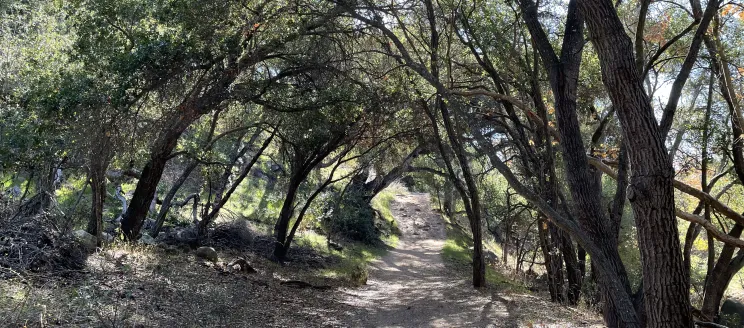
(150, 287)
(412, 287)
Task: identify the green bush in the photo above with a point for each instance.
(353, 219)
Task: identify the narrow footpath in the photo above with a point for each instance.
(411, 286)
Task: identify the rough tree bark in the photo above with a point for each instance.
(563, 76)
(203, 98)
(285, 215)
(651, 194)
(328, 181)
(727, 266)
(190, 167)
(620, 300)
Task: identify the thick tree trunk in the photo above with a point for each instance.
(153, 171)
(285, 215)
(573, 273)
(205, 96)
(309, 201)
(666, 289)
(563, 75)
(190, 167)
(556, 264)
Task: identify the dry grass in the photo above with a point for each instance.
(135, 286)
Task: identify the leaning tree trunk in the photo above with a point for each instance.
(224, 191)
(160, 153)
(288, 241)
(168, 200)
(666, 289)
(205, 96)
(190, 167)
(468, 190)
(563, 72)
(285, 215)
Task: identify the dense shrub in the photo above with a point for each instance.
(353, 218)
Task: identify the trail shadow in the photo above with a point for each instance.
(411, 286)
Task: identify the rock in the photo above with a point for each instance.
(335, 246)
(85, 239)
(147, 240)
(207, 253)
(185, 235)
(241, 265)
(732, 313)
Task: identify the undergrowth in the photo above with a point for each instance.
(356, 256)
(381, 203)
(457, 253)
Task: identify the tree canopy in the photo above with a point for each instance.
(603, 138)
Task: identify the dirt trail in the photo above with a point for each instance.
(411, 286)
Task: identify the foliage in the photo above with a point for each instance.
(457, 253)
(354, 258)
(353, 219)
(93, 86)
(381, 203)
